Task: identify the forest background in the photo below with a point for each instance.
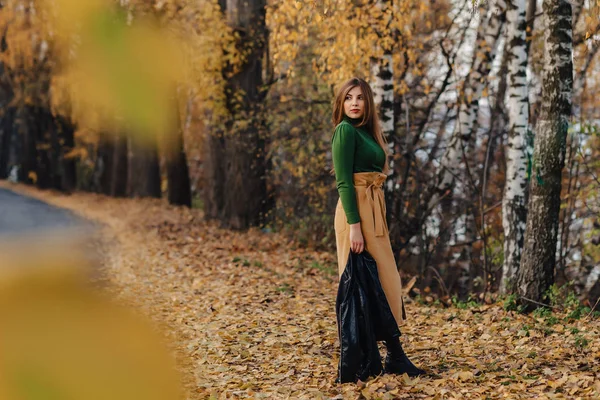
(226, 106)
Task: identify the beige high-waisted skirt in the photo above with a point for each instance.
(371, 208)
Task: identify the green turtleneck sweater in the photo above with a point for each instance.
(353, 150)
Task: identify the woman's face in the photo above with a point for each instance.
(354, 104)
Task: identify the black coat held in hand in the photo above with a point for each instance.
(364, 317)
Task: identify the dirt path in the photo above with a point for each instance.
(253, 317)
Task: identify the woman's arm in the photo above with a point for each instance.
(343, 145)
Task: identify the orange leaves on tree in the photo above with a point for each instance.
(342, 36)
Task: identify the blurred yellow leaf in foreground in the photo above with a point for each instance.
(62, 339)
(119, 71)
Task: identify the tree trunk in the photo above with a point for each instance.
(213, 169)
(6, 140)
(104, 161)
(52, 135)
(111, 170)
(27, 153)
(530, 17)
(40, 130)
(178, 177)
(536, 273)
(577, 7)
(514, 209)
(33, 146)
(455, 161)
(487, 42)
(119, 169)
(245, 159)
(144, 169)
(69, 170)
(382, 71)
(441, 260)
(383, 91)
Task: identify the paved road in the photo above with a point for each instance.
(20, 215)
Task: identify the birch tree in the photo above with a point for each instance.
(514, 210)
(382, 71)
(536, 273)
(487, 42)
(459, 149)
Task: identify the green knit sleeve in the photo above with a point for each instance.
(343, 145)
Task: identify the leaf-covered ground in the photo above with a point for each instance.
(252, 315)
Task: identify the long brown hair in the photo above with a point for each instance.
(370, 119)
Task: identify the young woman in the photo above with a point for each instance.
(360, 163)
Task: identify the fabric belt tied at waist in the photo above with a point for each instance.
(373, 181)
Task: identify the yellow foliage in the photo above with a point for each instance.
(342, 36)
(25, 54)
(91, 347)
(120, 74)
(116, 67)
(77, 152)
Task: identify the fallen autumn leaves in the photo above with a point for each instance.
(252, 316)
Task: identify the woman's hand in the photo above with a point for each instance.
(357, 242)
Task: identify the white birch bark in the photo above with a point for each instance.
(382, 71)
(577, 6)
(514, 209)
(536, 272)
(460, 147)
(383, 92)
(486, 48)
(591, 280)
